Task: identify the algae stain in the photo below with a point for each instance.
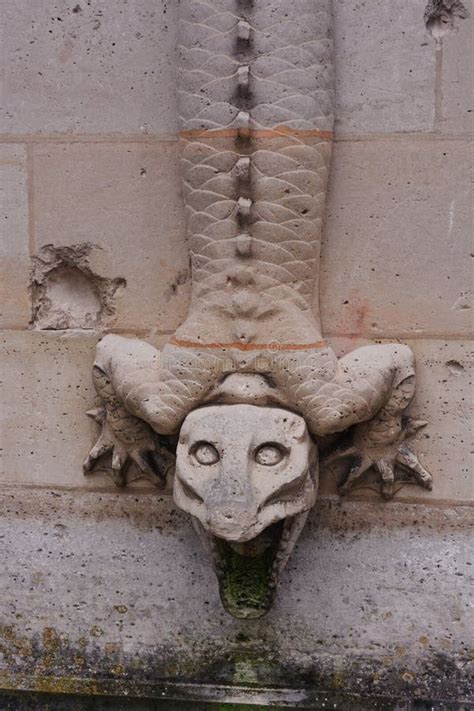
(245, 672)
(246, 579)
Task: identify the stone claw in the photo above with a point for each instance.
(153, 461)
(97, 414)
(371, 450)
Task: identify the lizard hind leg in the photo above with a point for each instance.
(369, 392)
(381, 442)
(385, 453)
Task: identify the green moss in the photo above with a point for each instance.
(337, 681)
(246, 581)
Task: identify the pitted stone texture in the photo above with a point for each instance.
(396, 250)
(14, 301)
(44, 433)
(456, 71)
(86, 67)
(125, 200)
(385, 71)
(118, 586)
(445, 371)
(43, 426)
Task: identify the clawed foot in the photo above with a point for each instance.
(382, 447)
(140, 446)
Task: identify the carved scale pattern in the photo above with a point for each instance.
(255, 103)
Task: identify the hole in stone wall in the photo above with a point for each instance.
(441, 15)
(455, 367)
(66, 293)
(72, 297)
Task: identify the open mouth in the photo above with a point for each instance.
(248, 572)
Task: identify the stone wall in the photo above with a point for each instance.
(110, 592)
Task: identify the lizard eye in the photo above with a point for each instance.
(205, 453)
(270, 454)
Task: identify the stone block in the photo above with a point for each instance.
(385, 67)
(14, 300)
(86, 67)
(49, 388)
(444, 372)
(125, 201)
(111, 593)
(456, 72)
(44, 431)
(397, 247)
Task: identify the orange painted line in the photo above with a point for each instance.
(256, 133)
(248, 346)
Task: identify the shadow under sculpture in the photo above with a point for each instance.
(245, 391)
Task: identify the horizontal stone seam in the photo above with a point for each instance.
(86, 138)
(403, 136)
(12, 487)
(151, 332)
(148, 332)
(174, 138)
(407, 336)
(276, 132)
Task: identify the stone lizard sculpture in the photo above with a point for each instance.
(247, 382)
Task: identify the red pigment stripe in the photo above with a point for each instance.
(248, 346)
(256, 133)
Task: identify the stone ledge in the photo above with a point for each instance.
(144, 508)
(119, 584)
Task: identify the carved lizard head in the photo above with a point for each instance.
(248, 475)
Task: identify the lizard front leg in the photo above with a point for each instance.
(145, 395)
(126, 437)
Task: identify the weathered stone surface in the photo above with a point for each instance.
(456, 71)
(116, 590)
(397, 245)
(86, 67)
(65, 292)
(443, 398)
(115, 585)
(385, 67)
(445, 371)
(43, 426)
(124, 200)
(47, 388)
(14, 301)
